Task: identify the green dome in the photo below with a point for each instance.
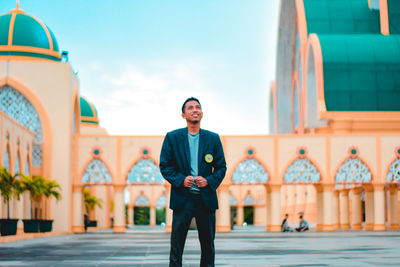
(22, 35)
(88, 112)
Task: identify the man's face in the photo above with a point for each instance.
(192, 112)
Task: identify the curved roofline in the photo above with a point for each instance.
(10, 51)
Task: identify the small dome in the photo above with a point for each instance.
(22, 35)
(88, 113)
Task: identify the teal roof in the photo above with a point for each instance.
(29, 38)
(394, 16)
(88, 112)
(361, 72)
(341, 17)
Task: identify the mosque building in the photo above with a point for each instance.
(333, 152)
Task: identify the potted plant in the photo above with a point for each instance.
(90, 202)
(50, 189)
(9, 186)
(35, 187)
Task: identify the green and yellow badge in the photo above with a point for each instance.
(209, 158)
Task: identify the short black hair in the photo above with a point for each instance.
(187, 100)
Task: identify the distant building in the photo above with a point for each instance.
(333, 153)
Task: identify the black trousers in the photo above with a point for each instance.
(205, 221)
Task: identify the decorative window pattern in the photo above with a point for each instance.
(18, 107)
(394, 171)
(7, 160)
(26, 171)
(16, 166)
(145, 171)
(353, 170)
(161, 202)
(96, 172)
(250, 171)
(232, 201)
(249, 201)
(142, 201)
(302, 170)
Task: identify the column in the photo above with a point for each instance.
(356, 209)
(130, 215)
(224, 212)
(20, 213)
(369, 208)
(119, 209)
(335, 209)
(152, 215)
(275, 208)
(394, 208)
(327, 207)
(168, 211)
(77, 216)
(320, 206)
(344, 209)
(379, 208)
(27, 205)
(239, 214)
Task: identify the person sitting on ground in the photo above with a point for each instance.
(285, 224)
(303, 226)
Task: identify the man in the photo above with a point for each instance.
(303, 225)
(285, 224)
(192, 161)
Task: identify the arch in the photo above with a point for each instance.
(314, 96)
(141, 201)
(75, 109)
(243, 164)
(27, 167)
(45, 147)
(302, 170)
(7, 158)
(161, 201)
(393, 171)
(353, 170)
(232, 200)
(17, 163)
(249, 200)
(250, 171)
(144, 171)
(96, 171)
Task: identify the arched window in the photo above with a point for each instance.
(7, 159)
(26, 171)
(249, 201)
(353, 170)
(145, 171)
(18, 107)
(232, 201)
(302, 170)
(161, 202)
(96, 172)
(394, 171)
(142, 201)
(250, 171)
(16, 166)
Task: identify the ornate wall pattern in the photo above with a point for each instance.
(145, 171)
(96, 172)
(302, 171)
(250, 171)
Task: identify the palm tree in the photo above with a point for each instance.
(34, 185)
(51, 189)
(9, 186)
(90, 201)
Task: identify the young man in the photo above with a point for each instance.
(192, 161)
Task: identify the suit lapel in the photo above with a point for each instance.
(185, 143)
(202, 146)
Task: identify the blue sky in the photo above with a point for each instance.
(137, 60)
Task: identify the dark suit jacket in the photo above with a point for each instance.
(175, 166)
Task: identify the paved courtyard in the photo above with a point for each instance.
(244, 247)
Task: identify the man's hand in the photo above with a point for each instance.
(188, 182)
(201, 182)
